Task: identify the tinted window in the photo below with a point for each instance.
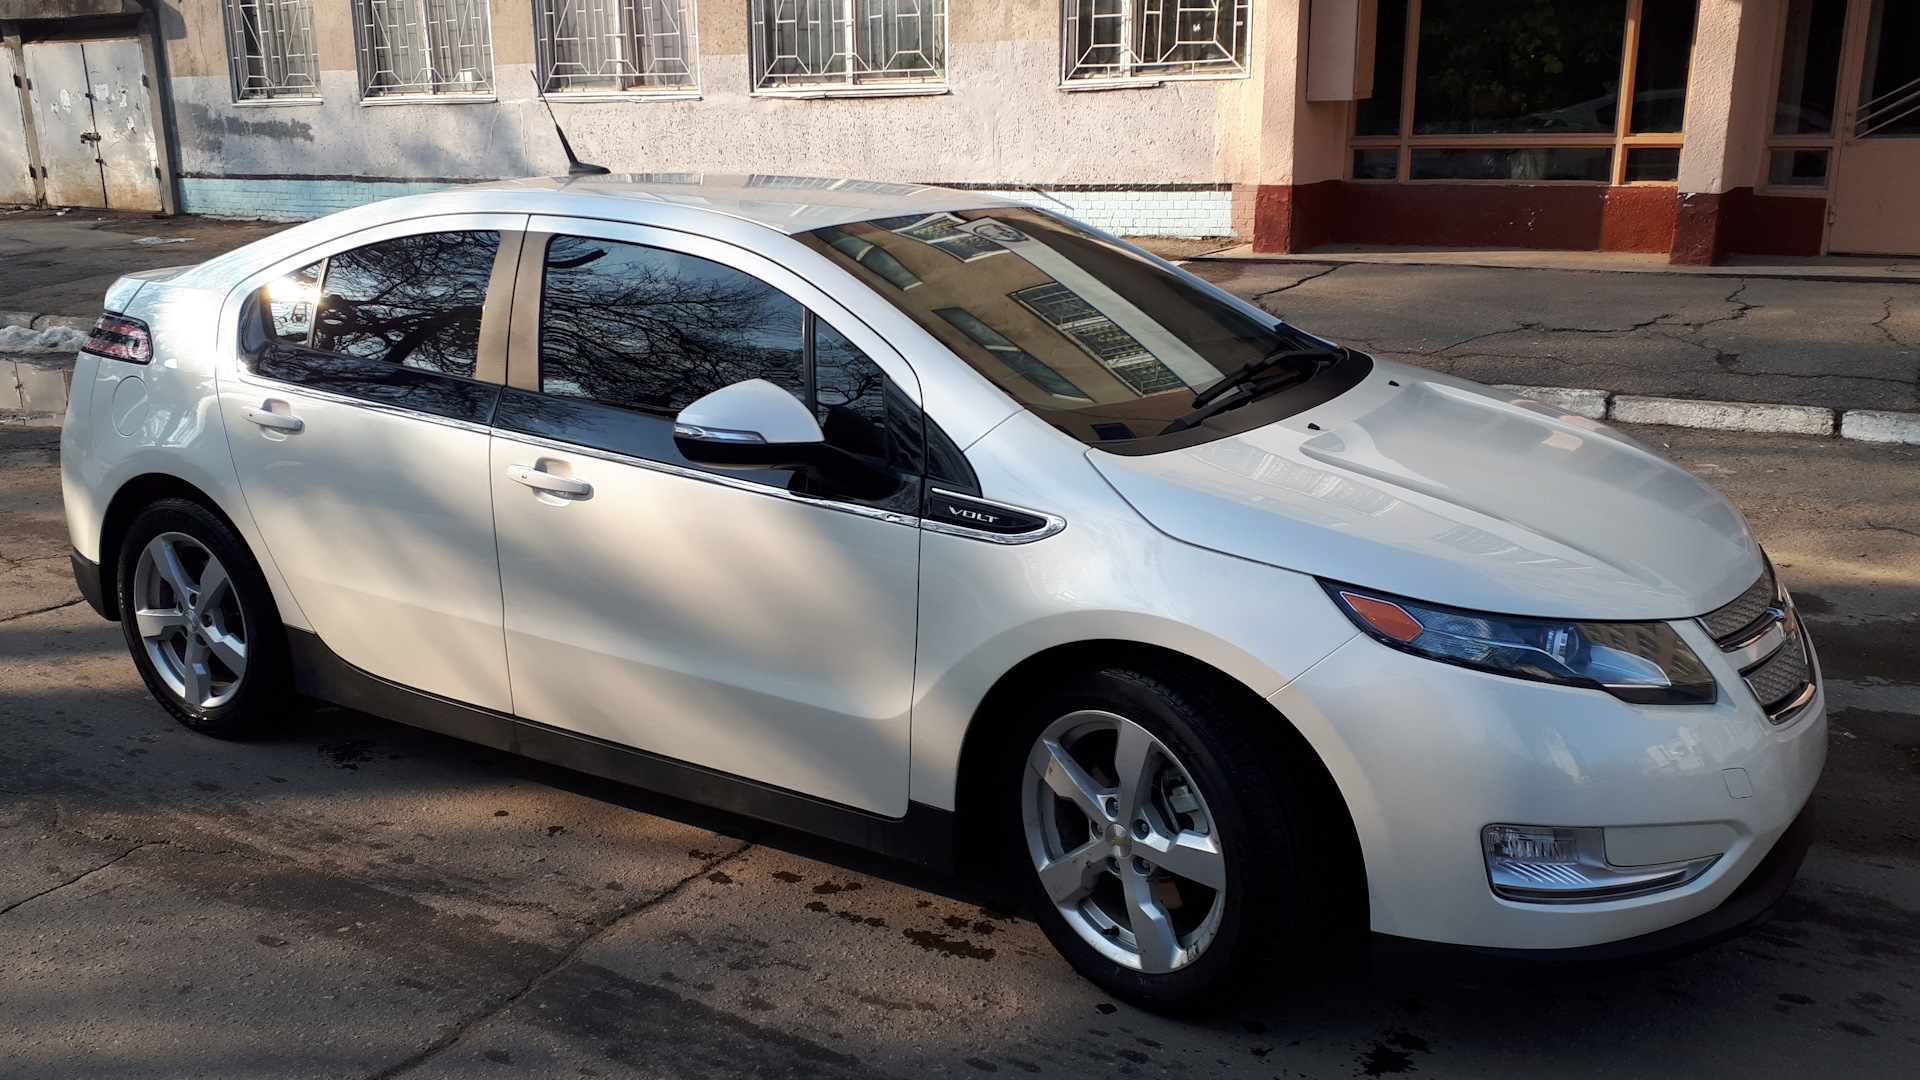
(654, 330)
(648, 331)
(414, 301)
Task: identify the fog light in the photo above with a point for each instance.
(1544, 865)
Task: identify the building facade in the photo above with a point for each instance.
(1781, 127)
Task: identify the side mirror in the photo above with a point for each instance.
(757, 425)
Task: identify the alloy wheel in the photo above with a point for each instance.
(189, 619)
(1123, 842)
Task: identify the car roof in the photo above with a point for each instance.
(788, 204)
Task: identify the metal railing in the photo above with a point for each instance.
(271, 46)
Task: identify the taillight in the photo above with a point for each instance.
(120, 338)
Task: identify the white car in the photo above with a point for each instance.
(950, 528)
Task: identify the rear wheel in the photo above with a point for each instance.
(1155, 849)
(201, 623)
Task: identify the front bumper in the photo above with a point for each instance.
(1406, 961)
(1428, 754)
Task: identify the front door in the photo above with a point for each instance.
(358, 424)
(729, 620)
(91, 116)
(1876, 194)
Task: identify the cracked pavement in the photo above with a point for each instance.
(354, 899)
(1851, 345)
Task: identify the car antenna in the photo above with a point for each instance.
(575, 167)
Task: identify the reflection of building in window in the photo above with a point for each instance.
(822, 46)
(871, 257)
(1102, 338)
(271, 45)
(1019, 360)
(424, 47)
(939, 231)
(1157, 39)
(615, 46)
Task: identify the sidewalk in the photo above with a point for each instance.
(1843, 268)
(1813, 346)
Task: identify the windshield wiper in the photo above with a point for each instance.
(1279, 369)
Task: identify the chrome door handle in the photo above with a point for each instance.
(540, 480)
(277, 421)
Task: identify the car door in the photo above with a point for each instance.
(733, 620)
(358, 418)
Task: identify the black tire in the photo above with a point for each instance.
(1265, 912)
(260, 696)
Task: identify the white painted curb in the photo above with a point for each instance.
(1861, 425)
(1723, 415)
(1872, 425)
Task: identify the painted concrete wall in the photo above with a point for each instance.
(1729, 96)
(1004, 122)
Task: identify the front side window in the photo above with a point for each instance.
(270, 44)
(424, 48)
(1527, 90)
(1154, 39)
(826, 46)
(397, 322)
(630, 335)
(637, 47)
(1098, 339)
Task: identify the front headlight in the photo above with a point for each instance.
(1642, 662)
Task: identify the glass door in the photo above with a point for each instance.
(1875, 209)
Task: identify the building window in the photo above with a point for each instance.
(424, 48)
(271, 45)
(627, 47)
(817, 47)
(1526, 91)
(1115, 40)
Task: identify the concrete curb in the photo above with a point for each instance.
(1860, 425)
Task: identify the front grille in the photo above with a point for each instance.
(1780, 679)
(1746, 609)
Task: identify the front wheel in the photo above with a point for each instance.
(201, 622)
(1155, 848)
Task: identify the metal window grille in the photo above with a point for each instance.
(424, 47)
(271, 45)
(1136, 39)
(824, 44)
(601, 46)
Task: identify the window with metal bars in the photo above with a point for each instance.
(1111, 40)
(826, 46)
(628, 47)
(271, 46)
(414, 48)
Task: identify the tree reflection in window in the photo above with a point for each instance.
(655, 330)
(414, 301)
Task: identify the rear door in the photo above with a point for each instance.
(359, 420)
(724, 619)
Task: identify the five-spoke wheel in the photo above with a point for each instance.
(190, 620)
(201, 622)
(1123, 842)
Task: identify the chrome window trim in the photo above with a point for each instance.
(248, 378)
(613, 457)
(1054, 522)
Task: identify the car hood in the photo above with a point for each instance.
(1442, 490)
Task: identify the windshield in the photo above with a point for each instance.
(1104, 343)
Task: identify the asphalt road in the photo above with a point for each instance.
(352, 898)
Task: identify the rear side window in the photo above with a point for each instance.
(654, 330)
(413, 301)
